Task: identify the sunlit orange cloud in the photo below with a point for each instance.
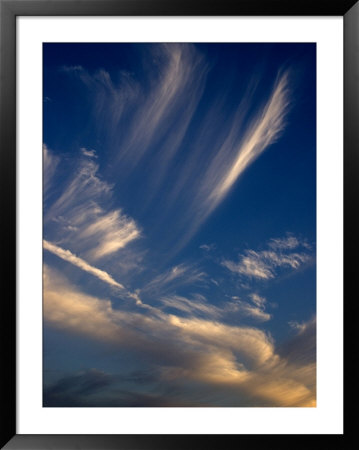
(242, 359)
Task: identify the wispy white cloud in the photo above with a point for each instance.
(113, 231)
(238, 152)
(136, 296)
(109, 99)
(264, 264)
(289, 242)
(285, 243)
(196, 305)
(264, 131)
(207, 247)
(258, 300)
(161, 111)
(84, 184)
(176, 90)
(80, 220)
(50, 163)
(299, 327)
(157, 112)
(79, 262)
(102, 275)
(250, 265)
(89, 153)
(179, 275)
(256, 311)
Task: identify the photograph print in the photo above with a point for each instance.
(179, 225)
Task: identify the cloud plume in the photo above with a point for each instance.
(66, 255)
(238, 152)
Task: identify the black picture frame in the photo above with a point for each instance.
(9, 10)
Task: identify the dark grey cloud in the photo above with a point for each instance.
(74, 390)
(94, 388)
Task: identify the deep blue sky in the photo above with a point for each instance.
(179, 224)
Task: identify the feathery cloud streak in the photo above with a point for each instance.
(66, 255)
(175, 93)
(199, 306)
(256, 311)
(196, 305)
(80, 219)
(50, 163)
(158, 120)
(264, 131)
(237, 153)
(157, 114)
(179, 275)
(263, 264)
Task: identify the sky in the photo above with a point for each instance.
(179, 225)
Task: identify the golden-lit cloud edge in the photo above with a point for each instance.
(239, 358)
